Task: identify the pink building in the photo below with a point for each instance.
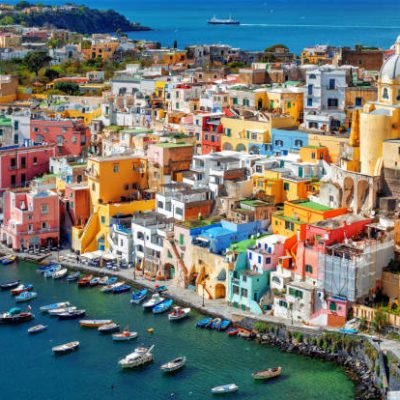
(31, 218)
(71, 137)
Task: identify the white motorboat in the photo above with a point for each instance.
(53, 306)
(124, 336)
(155, 299)
(103, 280)
(108, 328)
(57, 311)
(223, 389)
(60, 273)
(110, 288)
(174, 365)
(139, 357)
(179, 313)
(65, 348)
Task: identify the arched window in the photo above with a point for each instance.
(60, 140)
(39, 138)
(385, 94)
(278, 142)
(298, 143)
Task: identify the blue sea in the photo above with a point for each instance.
(29, 370)
(296, 23)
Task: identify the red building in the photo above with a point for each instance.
(71, 137)
(211, 132)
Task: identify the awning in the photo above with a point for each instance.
(110, 257)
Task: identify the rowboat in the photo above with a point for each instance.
(9, 285)
(203, 322)
(94, 282)
(74, 314)
(160, 289)
(223, 389)
(212, 323)
(43, 268)
(15, 316)
(223, 325)
(48, 273)
(25, 296)
(110, 288)
(232, 331)
(125, 335)
(73, 277)
(179, 313)
(267, 373)
(7, 260)
(108, 328)
(139, 357)
(54, 306)
(21, 289)
(162, 307)
(103, 280)
(139, 296)
(60, 273)
(57, 311)
(37, 329)
(121, 289)
(66, 348)
(111, 280)
(85, 280)
(244, 333)
(155, 299)
(94, 323)
(174, 365)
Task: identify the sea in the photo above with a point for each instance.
(296, 23)
(29, 370)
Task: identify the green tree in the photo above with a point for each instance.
(7, 20)
(379, 320)
(70, 88)
(51, 74)
(22, 4)
(36, 60)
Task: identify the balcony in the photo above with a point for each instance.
(39, 231)
(92, 174)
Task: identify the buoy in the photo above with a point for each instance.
(150, 330)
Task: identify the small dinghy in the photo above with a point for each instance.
(267, 374)
(71, 314)
(108, 328)
(94, 282)
(73, 277)
(139, 296)
(21, 289)
(179, 313)
(8, 260)
(162, 307)
(203, 322)
(174, 365)
(232, 331)
(245, 333)
(94, 323)
(103, 281)
(155, 300)
(111, 281)
(53, 306)
(160, 289)
(60, 274)
(57, 311)
(83, 282)
(110, 288)
(48, 273)
(66, 348)
(25, 296)
(37, 329)
(9, 285)
(121, 289)
(223, 389)
(223, 325)
(125, 335)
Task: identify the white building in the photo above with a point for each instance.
(120, 242)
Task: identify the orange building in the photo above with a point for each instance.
(313, 154)
(103, 50)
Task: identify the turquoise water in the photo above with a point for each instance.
(28, 369)
(297, 23)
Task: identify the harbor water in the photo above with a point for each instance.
(29, 370)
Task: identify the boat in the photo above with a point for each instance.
(73, 277)
(223, 389)
(94, 323)
(8, 259)
(21, 289)
(162, 307)
(228, 21)
(54, 306)
(214, 323)
(66, 348)
(25, 296)
(203, 322)
(232, 331)
(74, 314)
(139, 296)
(57, 311)
(348, 331)
(85, 280)
(125, 335)
(94, 282)
(179, 313)
(155, 299)
(60, 273)
(43, 268)
(160, 289)
(110, 288)
(245, 333)
(37, 329)
(174, 365)
(9, 285)
(48, 273)
(267, 373)
(103, 280)
(140, 356)
(121, 289)
(109, 328)
(223, 325)
(111, 280)
(15, 316)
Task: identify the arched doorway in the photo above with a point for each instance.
(227, 146)
(240, 147)
(259, 104)
(348, 192)
(220, 291)
(169, 271)
(362, 195)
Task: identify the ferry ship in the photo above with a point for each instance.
(229, 21)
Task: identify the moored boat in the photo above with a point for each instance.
(179, 313)
(245, 333)
(108, 328)
(110, 288)
(223, 325)
(25, 296)
(66, 348)
(94, 282)
(162, 307)
(15, 316)
(174, 365)
(155, 299)
(121, 289)
(232, 331)
(60, 273)
(8, 259)
(94, 323)
(223, 389)
(9, 285)
(160, 289)
(139, 296)
(103, 280)
(267, 373)
(203, 322)
(48, 273)
(140, 356)
(54, 306)
(74, 314)
(85, 280)
(125, 335)
(55, 312)
(37, 329)
(21, 289)
(111, 280)
(74, 276)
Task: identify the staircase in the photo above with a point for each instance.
(179, 259)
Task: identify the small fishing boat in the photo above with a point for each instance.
(94, 323)
(140, 356)
(203, 322)
(174, 365)
(162, 307)
(232, 331)
(121, 289)
(223, 325)
(108, 328)
(125, 335)
(9, 285)
(66, 348)
(54, 306)
(85, 281)
(74, 314)
(57, 311)
(139, 296)
(155, 299)
(245, 333)
(37, 329)
(94, 282)
(48, 273)
(15, 316)
(73, 277)
(267, 373)
(25, 296)
(111, 281)
(179, 313)
(103, 280)
(110, 288)
(21, 289)
(8, 259)
(213, 323)
(43, 268)
(223, 389)
(160, 289)
(60, 273)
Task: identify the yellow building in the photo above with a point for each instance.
(104, 50)
(78, 114)
(288, 101)
(314, 154)
(174, 57)
(241, 133)
(8, 40)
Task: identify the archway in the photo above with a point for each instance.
(240, 147)
(348, 192)
(362, 195)
(227, 146)
(220, 291)
(259, 104)
(169, 271)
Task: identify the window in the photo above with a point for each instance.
(333, 102)
(298, 143)
(23, 162)
(16, 138)
(13, 163)
(309, 102)
(282, 303)
(332, 306)
(259, 259)
(74, 139)
(313, 76)
(286, 186)
(358, 102)
(169, 255)
(93, 187)
(103, 219)
(308, 268)
(229, 132)
(13, 180)
(212, 138)
(243, 292)
(30, 228)
(115, 168)
(235, 289)
(235, 101)
(278, 142)
(321, 155)
(268, 260)
(332, 84)
(313, 155)
(276, 279)
(310, 90)
(181, 239)
(296, 293)
(289, 104)
(385, 94)
(205, 137)
(16, 125)
(45, 225)
(34, 160)
(44, 209)
(178, 211)
(160, 204)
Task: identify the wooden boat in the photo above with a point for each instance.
(94, 282)
(73, 276)
(37, 329)
(179, 313)
(85, 281)
(232, 331)
(60, 273)
(75, 314)
(162, 307)
(174, 365)
(111, 281)
(9, 285)
(57, 311)
(25, 296)
(213, 323)
(54, 306)
(50, 272)
(223, 389)
(103, 280)
(110, 288)
(121, 289)
(21, 289)
(155, 299)
(15, 316)
(245, 333)
(203, 322)
(160, 289)
(140, 356)
(66, 348)
(108, 328)
(139, 296)
(94, 323)
(125, 335)
(267, 373)
(223, 325)
(8, 259)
